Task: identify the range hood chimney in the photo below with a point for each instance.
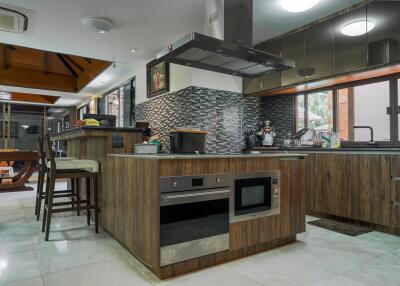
(226, 45)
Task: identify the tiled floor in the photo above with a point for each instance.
(77, 256)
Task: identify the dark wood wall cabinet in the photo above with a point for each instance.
(360, 187)
(322, 51)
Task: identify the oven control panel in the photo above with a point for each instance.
(190, 183)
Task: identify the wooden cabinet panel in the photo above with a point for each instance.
(290, 221)
(395, 192)
(351, 186)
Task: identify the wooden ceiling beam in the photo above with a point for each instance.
(37, 79)
(74, 63)
(33, 98)
(91, 72)
(67, 65)
(45, 63)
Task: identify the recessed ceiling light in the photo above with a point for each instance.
(133, 51)
(97, 24)
(357, 28)
(296, 6)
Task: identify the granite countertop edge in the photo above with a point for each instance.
(210, 156)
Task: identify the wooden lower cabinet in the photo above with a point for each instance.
(354, 186)
(395, 198)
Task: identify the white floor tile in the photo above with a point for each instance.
(18, 266)
(279, 268)
(343, 281)
(214, 276)
(33, 281)
(111, 272)
(15, 243)
(382, 271)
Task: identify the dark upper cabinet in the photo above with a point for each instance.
(319, 52)
(350, 52)
(251, 85)
(293, 49)
(383, 40)
(273, 80)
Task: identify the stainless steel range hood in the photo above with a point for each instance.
(233, 55)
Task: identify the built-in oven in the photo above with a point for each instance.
(254, 195)
(194, 217)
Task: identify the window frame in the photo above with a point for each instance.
(393, 110)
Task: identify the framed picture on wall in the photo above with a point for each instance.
(157, 78)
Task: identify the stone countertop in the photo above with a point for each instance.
(333, 151)
(281, 155)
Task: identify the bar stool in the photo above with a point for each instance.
(40, 194)
(70, 169)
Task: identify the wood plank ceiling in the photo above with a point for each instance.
(31, 68)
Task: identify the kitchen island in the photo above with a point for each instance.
(132, 198)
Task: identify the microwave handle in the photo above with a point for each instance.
(193, 197)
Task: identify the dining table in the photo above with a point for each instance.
(16, 181)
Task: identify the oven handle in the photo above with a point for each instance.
(193, 197)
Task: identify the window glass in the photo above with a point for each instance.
(364, 105)
(299, 112)
(320, 111)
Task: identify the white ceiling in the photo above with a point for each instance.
(270, 20)
(146, 25)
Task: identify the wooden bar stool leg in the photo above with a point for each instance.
(50, 207)
(39, 194)
(46, 200)
(73, 191)
(78, 196)
(88, 186)
(96, 201)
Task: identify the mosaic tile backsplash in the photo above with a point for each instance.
(225, 115)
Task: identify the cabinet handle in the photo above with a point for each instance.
(395, 178)
(395, 204)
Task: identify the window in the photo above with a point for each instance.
(299, 112)
(364, 105)
(369, 105)
(320, 111)
(315, 110)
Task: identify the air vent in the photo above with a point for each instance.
(13, 20)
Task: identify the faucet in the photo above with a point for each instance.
(371, 132)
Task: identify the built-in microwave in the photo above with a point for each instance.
(254, 195)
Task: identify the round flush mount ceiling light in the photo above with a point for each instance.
(133, 50)
(97, 24)
(357, 28)
(297, 6)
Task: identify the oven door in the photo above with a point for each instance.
(193, 224)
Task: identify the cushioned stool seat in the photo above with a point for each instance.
(87, 165)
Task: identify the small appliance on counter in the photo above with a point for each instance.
(266, 133)
(192, 141)
(146, 149)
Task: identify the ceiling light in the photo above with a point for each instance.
(97, 24)
(297, 6)
(357, 28)
(133, 51)
(25, 126)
